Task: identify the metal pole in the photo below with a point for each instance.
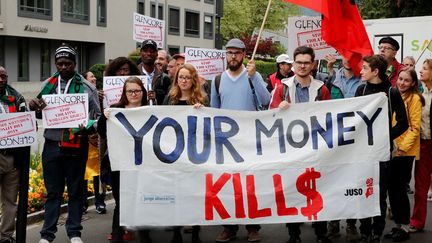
(23, 158)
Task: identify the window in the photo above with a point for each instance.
(23, 59)
(208, 27)
(40, 9)
(209, 1)
(140, 7)
(160, 11)
(192, 25)
(174, 21)
(75, 11)
(45, 59)
(101, 13)
(172, 50)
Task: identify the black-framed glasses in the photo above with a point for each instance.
(133, 92)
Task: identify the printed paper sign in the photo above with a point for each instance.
(208, 62)
(306, 31)
(17, 129)
(315, 161)
(146, 27)
(113, 88)
(65, 110)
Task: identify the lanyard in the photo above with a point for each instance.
(67, 85)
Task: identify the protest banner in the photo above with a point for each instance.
(17, 129)
(306, 31)
(65, 110)
(315, 161)
(113, 88)
(208, 62)
(146, 27)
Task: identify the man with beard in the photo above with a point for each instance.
(162, 60)
(234, 91)
(159, 81)
(10, 101)
(300, 88)
(65, 150)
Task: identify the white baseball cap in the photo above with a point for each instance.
(284, 58)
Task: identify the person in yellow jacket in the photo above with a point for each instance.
(406, 151)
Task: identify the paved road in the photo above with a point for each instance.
(97, 227)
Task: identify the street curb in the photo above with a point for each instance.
(37, 217)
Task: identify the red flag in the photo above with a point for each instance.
(342, 28)
(317, 5)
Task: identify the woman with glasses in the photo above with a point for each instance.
(186, 90)
(133, 95)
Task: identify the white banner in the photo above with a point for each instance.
(65, 110)
(17, 129)
(185, 166)
(113, 88)
(208, 62)
(146, 27)
(306, 31)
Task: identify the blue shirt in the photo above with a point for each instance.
(302, 93)
(236, 93)
(348, 86)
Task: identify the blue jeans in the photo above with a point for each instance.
(62, 168)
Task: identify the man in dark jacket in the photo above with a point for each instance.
(10, 101)
(158, 81)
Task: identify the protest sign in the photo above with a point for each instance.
(113, 88)
(17, 129)
(315, 161)
(65, 110)
(146, 27)
(306, 31)
(208, 62)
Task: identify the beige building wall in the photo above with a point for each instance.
(100, 43)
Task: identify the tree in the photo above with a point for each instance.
(375, 9)
(242, 16)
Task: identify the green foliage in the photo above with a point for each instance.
(280, 49)
(242, 16)
(98, 70)
(265, 68)
(375, 9)
(135, 56)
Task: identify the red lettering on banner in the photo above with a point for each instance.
(253, 210)
(282, 210)
(306, 185)
(212, 200)
(238, 197)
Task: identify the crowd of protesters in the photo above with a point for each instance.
(71, 157)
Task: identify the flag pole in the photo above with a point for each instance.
(260, 31)
(428, 47)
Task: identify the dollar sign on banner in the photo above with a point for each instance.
(306, 185)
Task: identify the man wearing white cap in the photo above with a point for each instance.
(284, 65)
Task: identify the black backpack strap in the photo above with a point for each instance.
(217, 83)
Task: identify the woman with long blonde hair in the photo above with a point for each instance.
(186, 89)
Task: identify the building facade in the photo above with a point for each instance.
(100, 30)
